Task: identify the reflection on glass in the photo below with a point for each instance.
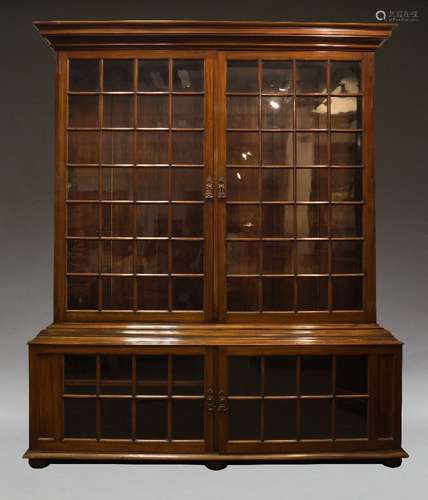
(242, 184)
(152, 111)
(242, 148)
(187, 257)
(152, 220)
(345, 77)
(243, 220)
(312, 221)
(188, 375)
(152, 374)
(277, 112)
(117, 184)
(82, 183)
(188, 111)
(152, 257)
(312, 148)
(152, 293)
(116, 374)
(345, 112)
(347, 293)
(188, 75)
(187, 220)
(346, 149)
(311, 112)
(187, 184)
(187, 294)
(82, 111)
(117, 219)
(79, 374)
(346, 220)
(82, 219)
(84, 75)
(242, 76)
(151, 184)
(242, 294)
(82, 292)
(118, 74)
(277, 184)
(82, 256)
(118, 111)
(312, 293)
(278, 220)
(152, 75)
(278, 257)
(117, 293)
(312, 184)
(117, 256)
(118, 147)
(188, 148)
(346, 257)
(242, 112)
(311, 76)
(83, 147)
(346, 184)
(278, 294)
(243, 257)
(312, 257)
(277, 77)
(277, 148)
(152, 147)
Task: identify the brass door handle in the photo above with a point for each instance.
(211, 403)
(209, 188)
(221, 188)
(222, 402)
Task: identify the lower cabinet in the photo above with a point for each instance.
(205, 400)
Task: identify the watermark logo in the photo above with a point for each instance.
(397, 16)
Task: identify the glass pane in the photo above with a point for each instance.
(277, 76)
(346, 148)
(188, 419)
(188, 375)
(312, 257)
(316, 375)
(312, 148)
(242, 76)
(278, 257)
(118, 147)
(312, 294)
(278, 221)
(82, 256)
(117, 219)
(79, 374)
(83, 147)
(152, 111)
(315, 418)
(277, 112)
(243, 257)
(242, 220)
(346, 220)
(82, 292)
(312, 221)
(152, 293)
(116, 374)
(117, 256)
(244, 419)
(152, 257)
(278, 294)
(311, 76)
(351, 375)
(280, 375)
(188, 76)
(242, 184)
(118, 293)
(277, 184)
(117, 184)
(242, 294)
(187, 257)
(82, 219)
(188, 148)
(152, 419)
(312, 184)
(277, 148)
(152, 75)
(118, 74)
(152, 147)
(345, 112)
(346, 184)
(83, 111)
(80, 418)
(187, 294)
(82, 183)
(187, 220)
(152, 374)
(187, 184)
(188, 111)
(347, 293)
(351, 418)
(116, 418)
(346, 257)
(244, 376)
(118, 111)
(152, 220)
(345, 77)
(242, 112)
(152, 184)
(242, 148)
(84, 75)
(280, 419)
(311, 112)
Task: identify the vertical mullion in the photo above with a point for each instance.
(262, 400)
(260, 281)
(98, 407)
(170, 103)
(329, 249)
(169, 397)
(134, 392)
(333, 403)
(100, 178)
(295, 254)
(134, 180)
(298, 409)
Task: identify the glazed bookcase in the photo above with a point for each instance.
(214, 248)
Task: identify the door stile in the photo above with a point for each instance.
(222, 393)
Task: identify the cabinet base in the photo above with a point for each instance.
(214, 461)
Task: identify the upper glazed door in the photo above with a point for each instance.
(137, 156)
(296, 227)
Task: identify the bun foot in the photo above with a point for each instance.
(215, 465)
(38, 463)
(393, 463)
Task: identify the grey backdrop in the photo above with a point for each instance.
(26, 214)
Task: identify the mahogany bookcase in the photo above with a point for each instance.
(214, 248)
